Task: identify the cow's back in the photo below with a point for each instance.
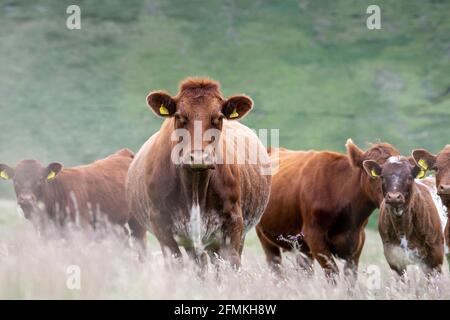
(99, 187)
(305, 182)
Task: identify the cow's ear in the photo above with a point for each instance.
(6, 172)
(161, 103)
(417, 172)
(372, 168)
(52, 170)
(237, 107)
(355, 154)
(424, 159)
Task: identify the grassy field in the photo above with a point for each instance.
(312, 67)
(33, 268)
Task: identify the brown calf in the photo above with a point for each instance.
(319, 203)
(191, 199)
(440, 163)
(81, 194)
(409, 222)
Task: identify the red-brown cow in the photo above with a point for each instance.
(320, 203)
(81, 195)
(194, 200)
(409, 223)
(440, 163)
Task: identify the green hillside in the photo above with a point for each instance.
(313, 68)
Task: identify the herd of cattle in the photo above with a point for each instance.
(316, 203)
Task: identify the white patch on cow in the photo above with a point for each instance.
(442, 210)
(394, 159)
(195, 228)
(404, 243)
(402, 255)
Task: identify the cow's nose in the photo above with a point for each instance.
(199, 159)
(444, 189)
(26, 199)
(394, 198)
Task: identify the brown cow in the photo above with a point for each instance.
(320, 203)
(78, 195)
(196, 201)
(440, 163)
(409, 223)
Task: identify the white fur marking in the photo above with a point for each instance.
(442, 210)
(404, 243)
(195, 223)
(394, 159)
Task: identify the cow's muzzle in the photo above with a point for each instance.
(395, 202)
(444, 190)
(26, 200)
(199, 160)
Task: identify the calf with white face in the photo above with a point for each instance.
(409, 222)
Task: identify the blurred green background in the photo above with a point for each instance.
(312, 67)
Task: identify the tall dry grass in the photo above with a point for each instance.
(36, 268)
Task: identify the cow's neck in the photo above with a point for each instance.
(362, 204)
(195, 186)
(54, 197)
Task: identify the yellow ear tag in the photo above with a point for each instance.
(163, 110)
(234, 114)
(373, 173)
(4, 175)
(423, 164)
(51, 175)
(421, 174)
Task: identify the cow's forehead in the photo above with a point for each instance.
(396, 164)
(199, 104)
(28, 168)
(395, 159)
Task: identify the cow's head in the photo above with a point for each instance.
(200, 109)
(30, 180)
(397, 176)
(439, 163)
(379, 153)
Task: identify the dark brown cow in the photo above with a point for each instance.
(320, 203)
(409, 223)
(81, 194)
(440, 163)
(194, 200)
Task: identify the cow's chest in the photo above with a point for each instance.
(197, 227)
(403, 252)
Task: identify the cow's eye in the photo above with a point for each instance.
(182, 121)
(216, 120)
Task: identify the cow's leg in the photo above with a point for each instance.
(241, 248)
(316, 240)
(272, 251)
(391, 258)
(138, 232)
(232, 237)
(139, 236)
(163, 233)
(305, 260)
(200, 259)
(448, 259)
(352, 262)
(433, 263)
